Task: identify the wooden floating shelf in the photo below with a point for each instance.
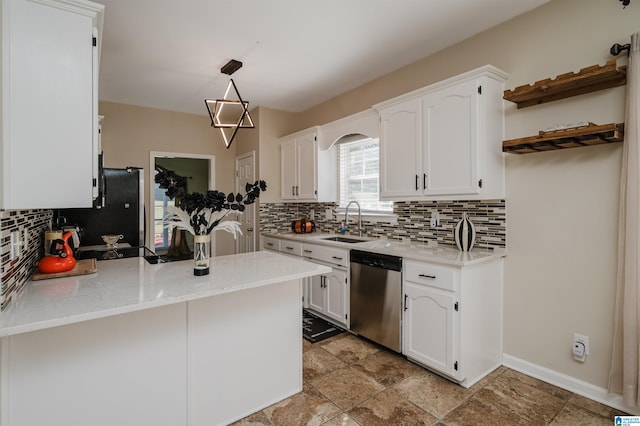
(592, 134)
(588, 80)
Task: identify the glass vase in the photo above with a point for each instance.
(201, 255)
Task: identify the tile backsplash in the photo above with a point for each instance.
(16, 272)
(413, 220)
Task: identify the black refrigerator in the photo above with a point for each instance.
(120, 210)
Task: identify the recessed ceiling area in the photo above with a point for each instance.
(295, 53)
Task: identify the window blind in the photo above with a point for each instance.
(359, 164)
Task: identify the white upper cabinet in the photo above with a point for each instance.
(49, 111)
(308, 173)
(400, 142)
(444, 141)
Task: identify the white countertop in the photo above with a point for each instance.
(132, 284)
(447, 255)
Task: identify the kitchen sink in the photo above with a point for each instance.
(344, 239)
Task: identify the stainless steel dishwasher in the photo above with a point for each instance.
(376, 297)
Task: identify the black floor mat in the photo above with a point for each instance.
(316, 329)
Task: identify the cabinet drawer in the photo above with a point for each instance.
(431, 275)
(291, 247)
(331, 255)
(269, 243)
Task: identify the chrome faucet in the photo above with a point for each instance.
(346, 217)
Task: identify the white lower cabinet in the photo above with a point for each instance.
(431, 334)
(452, 321)
(328, 295)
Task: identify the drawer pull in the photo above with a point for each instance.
(336, 257)
(289, 248)
(431, 277)
(308, 251)
(270, 244)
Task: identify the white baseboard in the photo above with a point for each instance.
(568, 383)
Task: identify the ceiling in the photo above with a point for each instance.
(296, 53)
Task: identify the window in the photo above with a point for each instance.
(359, 163)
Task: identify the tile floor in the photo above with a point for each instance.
(351, 382)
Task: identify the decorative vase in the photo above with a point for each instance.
(201, 245)
(465, 233)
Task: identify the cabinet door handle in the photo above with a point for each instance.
(431, 277)
(424, 181)
(416, 182)
(293, 190)
(405, 302)
(336, 257)
(297, 190)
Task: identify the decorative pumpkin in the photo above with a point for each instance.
(303, 226)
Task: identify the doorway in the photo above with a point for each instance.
(199, 171)
(245, 172)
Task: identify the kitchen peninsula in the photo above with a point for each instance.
(142, 344)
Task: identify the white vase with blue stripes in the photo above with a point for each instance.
(465, 233)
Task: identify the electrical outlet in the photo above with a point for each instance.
(435, 219)
(580, 348)
(329, 214)
(15, 245)
(584, 340)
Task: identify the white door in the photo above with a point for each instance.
(450, 154)
(336, 289)
(429, 327)
(400, 144)
(317, 293)
(306, 156)
(245, 172)
(289, 172)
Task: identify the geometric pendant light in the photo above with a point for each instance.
(231, 112)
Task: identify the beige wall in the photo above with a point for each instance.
(561, 206)
(130, 133)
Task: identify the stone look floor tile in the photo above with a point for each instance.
(318, 362)
(573, 415)
(256, 419)
(343, 419)
(538, 384)
(347, 387)
(432, 393)
(306, 345)
(596, 407)
(349, 348)
(489, 378)
(507, 400)
(389, 408)
(309, 407)
(352, 382)
(386, 368)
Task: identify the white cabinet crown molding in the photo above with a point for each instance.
(486, 70)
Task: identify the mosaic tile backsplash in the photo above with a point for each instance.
(488, 216)
(16, 273)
